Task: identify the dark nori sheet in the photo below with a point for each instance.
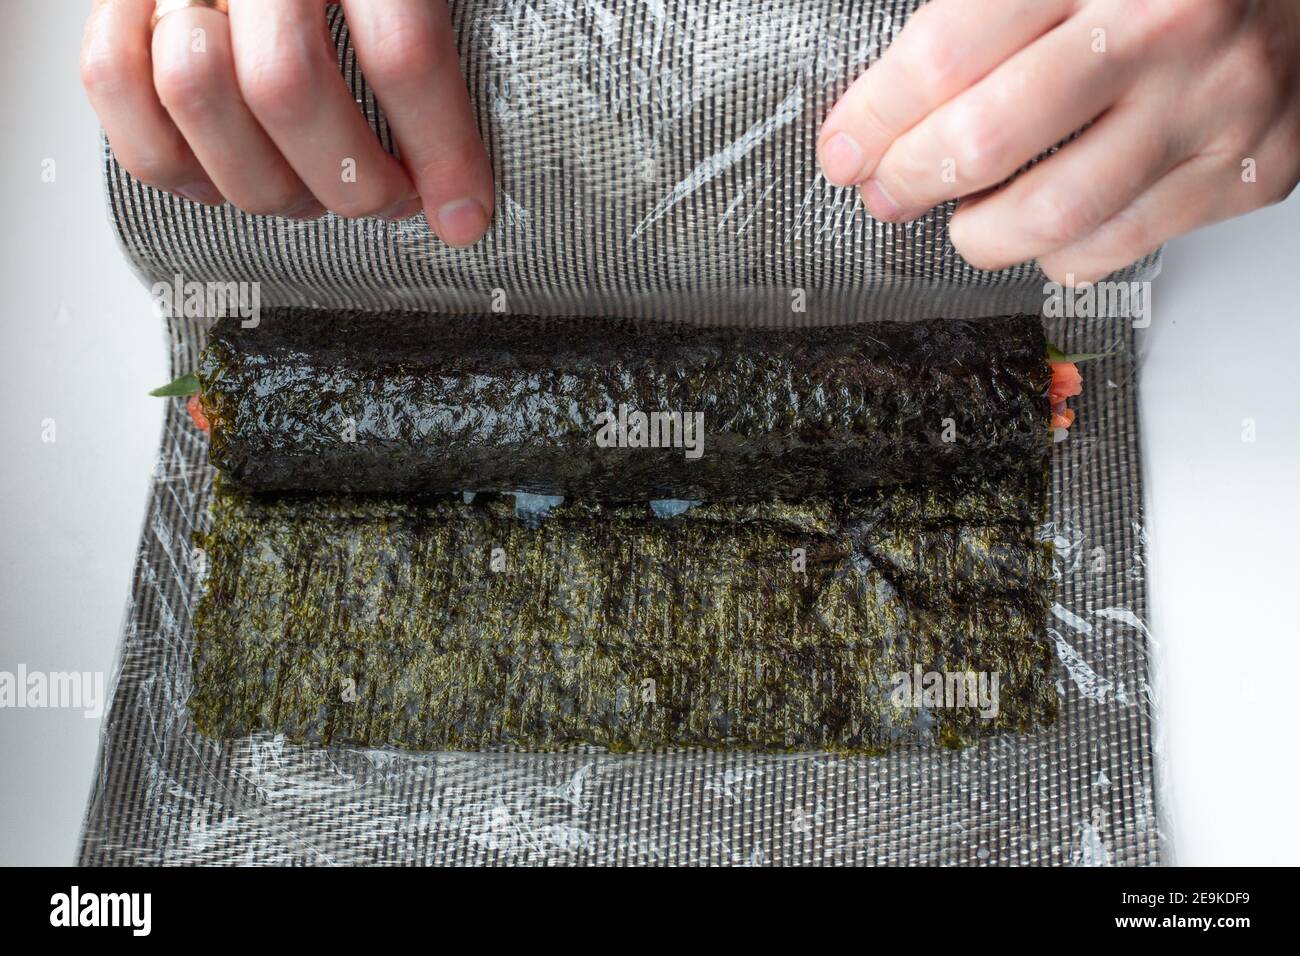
(383, 622)
(403, 404)
(844, 542)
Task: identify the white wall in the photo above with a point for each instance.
(79, 345)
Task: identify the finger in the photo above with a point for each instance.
(1036, 98)
(407, 51)
(288, 77)
(1207, 188)
(1069, 195)
(194, 74)
(117, 71)
(1198, 192)
(945, 47)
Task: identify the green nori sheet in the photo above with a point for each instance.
(410, 404)
(383, 622)
(846, 540)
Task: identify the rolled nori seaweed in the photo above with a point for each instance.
(874, 497)
(444, 624)
(411, 404)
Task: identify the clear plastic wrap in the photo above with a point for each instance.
(656, 159)
(652, 161)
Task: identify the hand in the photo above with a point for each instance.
(252, 108)
(1194, 106)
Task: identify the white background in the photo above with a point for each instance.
(79, 345)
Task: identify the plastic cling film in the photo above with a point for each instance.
(1083, 791)
(651, 159)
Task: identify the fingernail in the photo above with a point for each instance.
(880, 204)
(402, 210)
(462, 222)
(310, 209)
(202, 192)
(841, 158)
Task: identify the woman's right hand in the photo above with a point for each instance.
(251, 108)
